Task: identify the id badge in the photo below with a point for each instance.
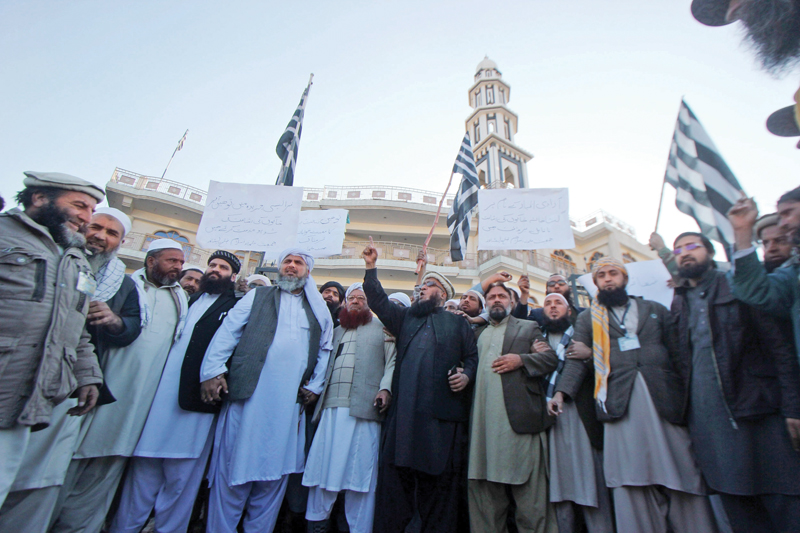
(86, 284)
(629, 342)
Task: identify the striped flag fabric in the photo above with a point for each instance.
(705, 186)
(465, 202)
(289, 141)
(183, 140)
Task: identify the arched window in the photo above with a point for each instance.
(628, 258)
(562, 263)
(174, 235)
(593, 260)
(171, 234)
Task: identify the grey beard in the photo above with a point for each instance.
(98, 260)
(68, 238)
(290, 283)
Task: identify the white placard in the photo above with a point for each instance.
(260, 218)
(524, 219)
(647, 279)
(321, 232)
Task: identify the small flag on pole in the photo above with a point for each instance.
(705, 186)
(465, 202)
(180, 143)
(175, 151)
(289, 141)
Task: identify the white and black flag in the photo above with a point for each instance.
(465, 202)
(705, 186)
(289, 142)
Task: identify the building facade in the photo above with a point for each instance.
(398, 219)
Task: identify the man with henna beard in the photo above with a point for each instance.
(424, 442)
(357, 393)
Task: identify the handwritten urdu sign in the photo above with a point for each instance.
(261, 218)
(321, 232)
(524, 219)
(647, 279)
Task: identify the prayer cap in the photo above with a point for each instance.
(228, 257)
(299, 252)
(556, 296)
(481, 299)
(401, 297)
(121, 217)
(187, 268)
(765, 222)
(56, 180)
(164, 244)
(258, 277)
(448, 287)
(607, 261)
(357, 286)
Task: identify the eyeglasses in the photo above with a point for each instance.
(431, 283)
(554, 283)
(356, 299)
(687, 248)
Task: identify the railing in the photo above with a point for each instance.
(545, 262)
(164, 186)
(600, 216)
(400, 251)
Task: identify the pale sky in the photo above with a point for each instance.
(89, 86)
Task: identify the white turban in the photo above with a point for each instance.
(315, 300)
(357, 286)
(121, 217)
(401, 297)
(253, 277)
(556, 295)
(164, 244)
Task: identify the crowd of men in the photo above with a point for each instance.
(120, 394)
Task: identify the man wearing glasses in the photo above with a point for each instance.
(425, 435)
(351, 407)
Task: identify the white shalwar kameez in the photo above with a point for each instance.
(169, 460)
(260, 441)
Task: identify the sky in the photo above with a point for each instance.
(91, 85)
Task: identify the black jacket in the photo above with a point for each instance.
(125, 304)
(455, 346)
(757, 366)
(203, 332)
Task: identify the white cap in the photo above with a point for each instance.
(253, 277)
(116, 213)
(164, 244)
(192, 267)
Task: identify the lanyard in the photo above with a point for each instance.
(622, 321)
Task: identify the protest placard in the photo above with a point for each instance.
(524, 219)
(321, 232)
(647, 279)
(260, 218)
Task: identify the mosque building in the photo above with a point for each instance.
(397, 218)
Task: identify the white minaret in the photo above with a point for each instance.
(492, 126)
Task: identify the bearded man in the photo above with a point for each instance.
(744, 395)
(113, 320)
(424, 442)
(775, 240)
(772, 27)
(508, 443)
(108, 438)
(647, 454)
(776, 293)
(277, 341)
(557, 284)
(357, 394)
(167, 467)
(577, 483)
(45, 287)
(333, 294)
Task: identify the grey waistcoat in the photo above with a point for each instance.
(248, 358)
(370, 367)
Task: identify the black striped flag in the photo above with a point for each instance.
(465, 202)
(705, 186)
(289, 141)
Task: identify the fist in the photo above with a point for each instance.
(743, 214)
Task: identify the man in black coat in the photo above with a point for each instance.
(170, 458)
(556, 283)
(424, 443)
(743, 380)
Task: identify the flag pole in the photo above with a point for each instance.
(180, 145)
(435, 221)
(660, 201)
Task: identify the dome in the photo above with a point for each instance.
(486, 64)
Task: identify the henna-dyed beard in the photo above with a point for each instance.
(353, 319)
